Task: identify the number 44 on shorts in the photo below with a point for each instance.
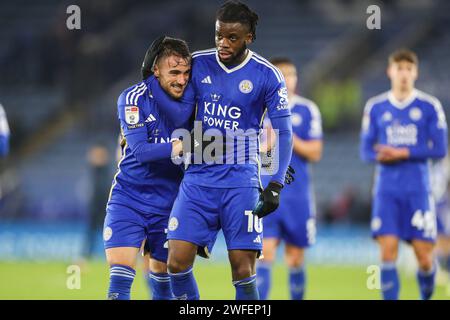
(426, 222)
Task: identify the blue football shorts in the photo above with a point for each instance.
(407, 216)
(127, 227)
(293, 222)
(200, 212)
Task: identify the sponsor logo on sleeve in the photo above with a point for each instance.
(135, 126)
(283, 103)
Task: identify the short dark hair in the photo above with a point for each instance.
(163, 47)
(172, 46)
(235, 11)
(281, 60)
(403, 55)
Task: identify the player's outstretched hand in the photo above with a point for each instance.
(289, 177)
(269, 200)
(150, 56)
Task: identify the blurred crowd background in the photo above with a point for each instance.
(59, 88)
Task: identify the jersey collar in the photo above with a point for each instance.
(240, 66)
(402, 104)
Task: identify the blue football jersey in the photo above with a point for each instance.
(307, 125)
(234, 101)
(417, 123)
(149, 187)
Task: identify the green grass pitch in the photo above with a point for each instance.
(48, 280)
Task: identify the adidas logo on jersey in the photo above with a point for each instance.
(150, 118)
(257, 239)
(207, 80)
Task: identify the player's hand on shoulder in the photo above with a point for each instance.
(269, 200)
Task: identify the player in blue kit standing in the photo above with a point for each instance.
(401, 130)
(147, 181)
(234, 88)
(294, 220)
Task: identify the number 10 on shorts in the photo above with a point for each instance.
(253, 222)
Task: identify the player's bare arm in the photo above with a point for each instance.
(311, 150)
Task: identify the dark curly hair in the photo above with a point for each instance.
(235, 11)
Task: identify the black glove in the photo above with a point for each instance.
(150, 57)
(289, 177)
(269, 200)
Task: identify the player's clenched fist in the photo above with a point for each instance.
(269, 200)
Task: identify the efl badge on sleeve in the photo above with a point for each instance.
(131, 115)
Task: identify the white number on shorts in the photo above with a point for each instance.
(253, 222)
(425, 222)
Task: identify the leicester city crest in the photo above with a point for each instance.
(246, 86)
(415, 114)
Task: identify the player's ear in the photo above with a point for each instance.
(388, 71)
(248, 38)
(156, 70)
